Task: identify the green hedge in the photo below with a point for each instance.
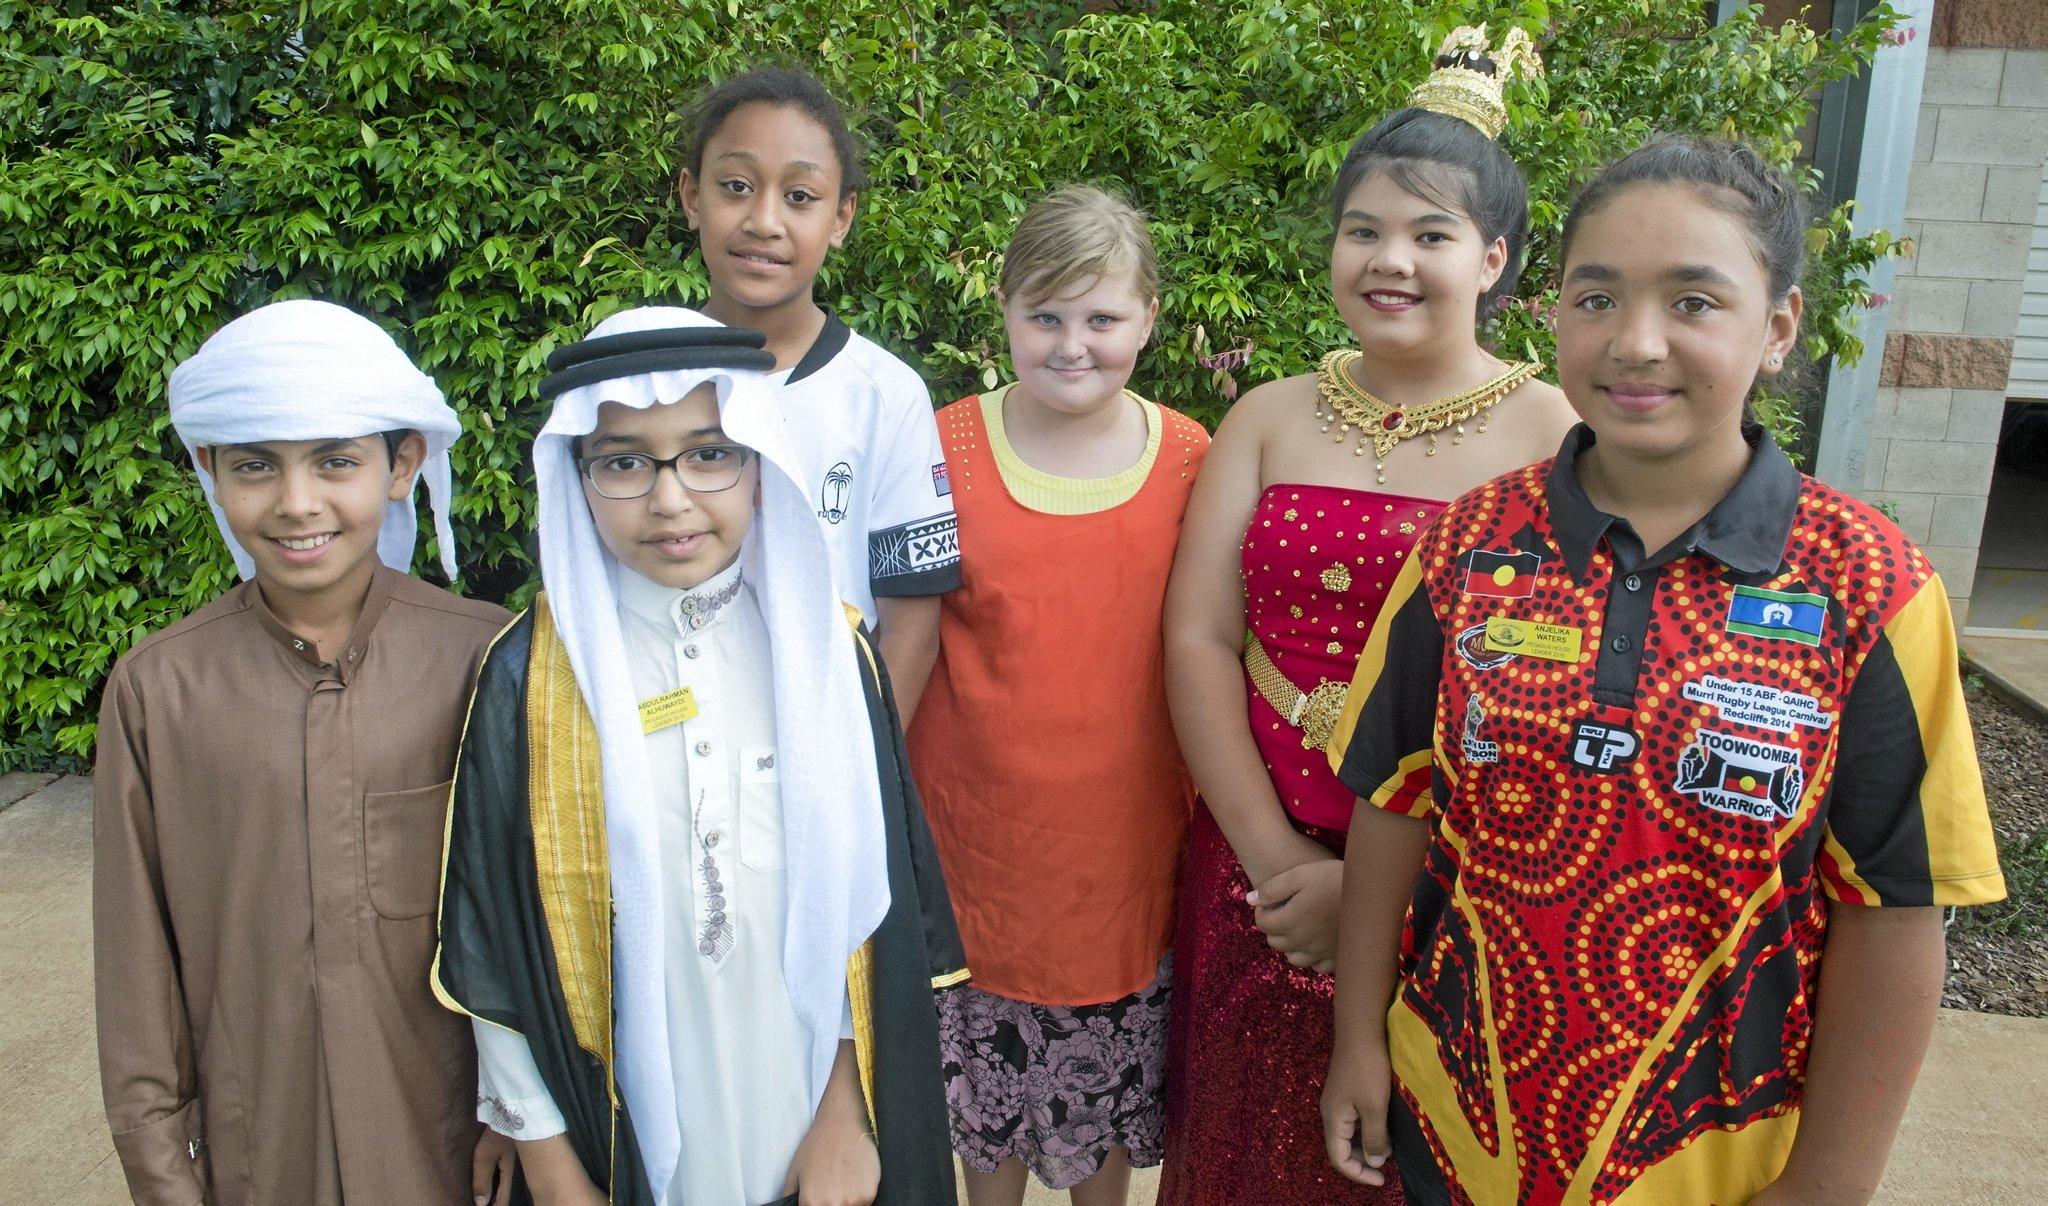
(489, 177)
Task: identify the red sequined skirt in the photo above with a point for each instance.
(1248, 1042)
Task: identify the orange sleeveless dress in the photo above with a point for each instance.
(1042, 746)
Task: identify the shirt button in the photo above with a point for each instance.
(703, 749)
(690, 651)
(1633, 583)
(1622, 644)
(711, 840)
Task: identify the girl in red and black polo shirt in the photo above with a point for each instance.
(1664, 762)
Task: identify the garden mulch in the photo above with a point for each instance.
(1998, 954)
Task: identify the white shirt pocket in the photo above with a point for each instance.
(760, 809)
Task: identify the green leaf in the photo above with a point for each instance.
(490, 178)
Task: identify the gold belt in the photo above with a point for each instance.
(1313, 712)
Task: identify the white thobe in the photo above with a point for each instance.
(739, 1054)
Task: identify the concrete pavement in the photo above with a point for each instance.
(54, 1147)
(1974, 1133)
(2016, 665)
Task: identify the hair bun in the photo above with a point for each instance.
(1469, 74)
(1470, 60)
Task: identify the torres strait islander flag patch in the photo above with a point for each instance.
(1785, 615)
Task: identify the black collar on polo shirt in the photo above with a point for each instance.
(1746, 531)
(831, 340)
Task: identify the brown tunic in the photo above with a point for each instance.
(267, 854)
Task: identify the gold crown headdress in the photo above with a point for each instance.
(1468, 77)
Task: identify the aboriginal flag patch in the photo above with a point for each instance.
(1510, 575)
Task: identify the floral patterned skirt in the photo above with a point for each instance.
(1055, 1086)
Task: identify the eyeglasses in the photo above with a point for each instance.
(705, 469)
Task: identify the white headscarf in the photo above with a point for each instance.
(311, 370)
(833, 838)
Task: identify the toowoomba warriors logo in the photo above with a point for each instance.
(1745, 778)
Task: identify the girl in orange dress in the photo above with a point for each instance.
(1043, 749)
(1312, 497)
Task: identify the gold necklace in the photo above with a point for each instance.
(1347, 404)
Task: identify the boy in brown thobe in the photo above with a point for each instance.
(270, 800)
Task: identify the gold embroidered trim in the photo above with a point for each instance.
(860, 967)
(571, 858)
(860, 991)
(441, 992)
(952, 978)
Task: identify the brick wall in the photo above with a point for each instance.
(1970, 203)
(2013, 24)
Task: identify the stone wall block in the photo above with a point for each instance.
(1878, 464)
(2011, 193)
(1958, 520)
(1946, 192)
(1886, 411)
(1937, 467)
(1957, 565)
(1914, 513)
(1994, 308)
(2014, 136)
(1954, 361)
(1973, 251)
(1959, 76)
(1975, 416)
(2011, 23)
(1922, 414)
(2025, 82)
(1924, 303)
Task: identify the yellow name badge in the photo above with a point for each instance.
(664, 710)
(1554, 642)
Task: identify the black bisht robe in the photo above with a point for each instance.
(497, 958)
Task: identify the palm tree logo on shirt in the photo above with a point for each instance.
(832, 496)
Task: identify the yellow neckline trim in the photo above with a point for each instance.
(1037, 490)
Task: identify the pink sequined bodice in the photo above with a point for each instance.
(1317, 564)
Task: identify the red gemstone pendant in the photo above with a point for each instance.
(1392, 420)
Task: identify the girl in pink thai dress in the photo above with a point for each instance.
(1312, 494)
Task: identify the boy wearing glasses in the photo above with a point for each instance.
(690, 900)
